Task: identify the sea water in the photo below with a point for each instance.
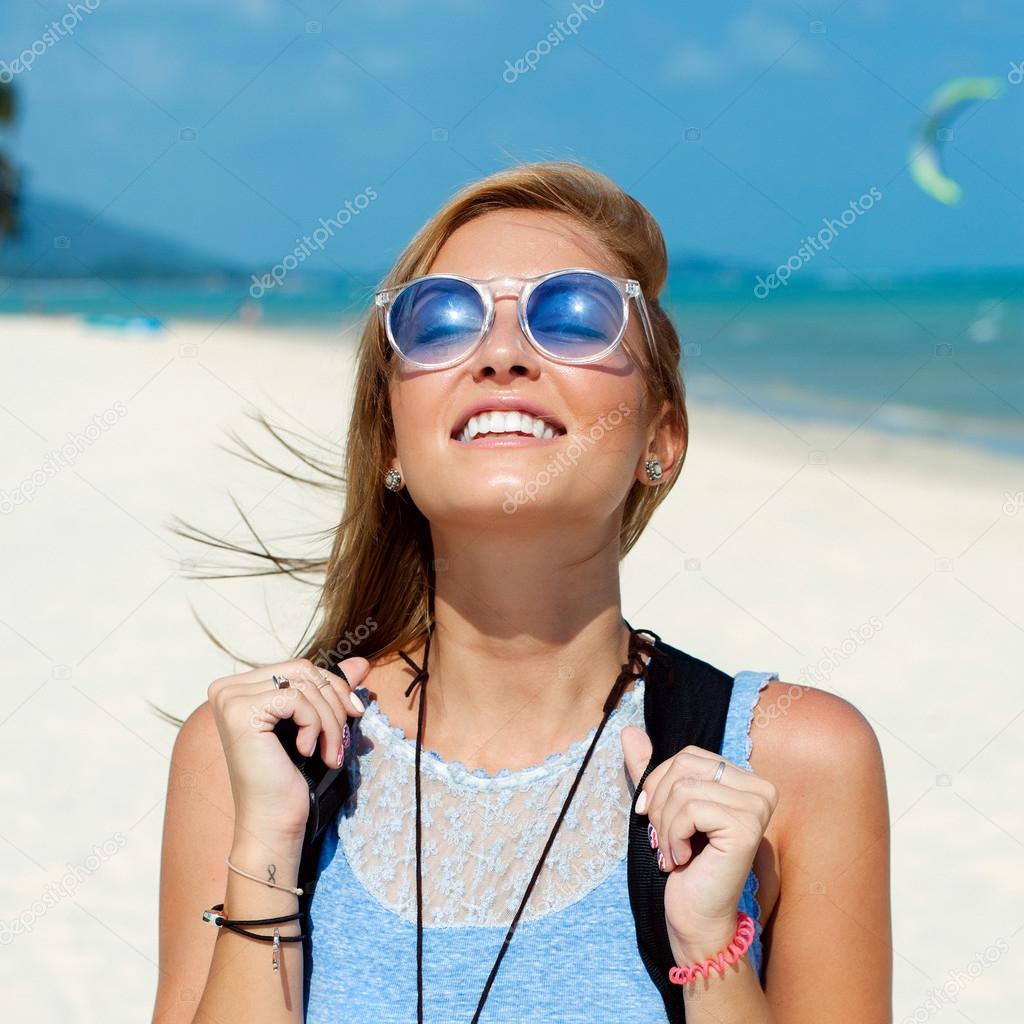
(940, 357)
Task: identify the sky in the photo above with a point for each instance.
(235, 125)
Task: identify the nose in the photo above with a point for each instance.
(505, 353)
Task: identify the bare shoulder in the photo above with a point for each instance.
(802, 726)
(199, 800)
(198, 829)
(199, 781)
(828, 868)
(198, 735)
(809, 742)
(807, 721)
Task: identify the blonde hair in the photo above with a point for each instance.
(379, 575)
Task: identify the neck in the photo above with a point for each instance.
(525, 649)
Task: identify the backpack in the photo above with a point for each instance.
(686, 701)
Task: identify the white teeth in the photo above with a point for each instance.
(497, 422)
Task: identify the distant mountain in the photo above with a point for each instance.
(61, 240)
(689, 269)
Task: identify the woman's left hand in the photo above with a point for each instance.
(703, 891)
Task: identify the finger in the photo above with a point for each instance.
(264, 672)
(743, 809)
(318, 689)
(636, 751)
(734, 775)
(714, 819)
(300, 668)
(268, 708)
(674, 790)
(335, 691)
(332, 754)
(701, 765)
(345, 677)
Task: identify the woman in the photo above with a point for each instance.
(502, 457)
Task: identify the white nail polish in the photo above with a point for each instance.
(641, 803)
(357, 703)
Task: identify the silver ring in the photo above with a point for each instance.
(719, 772)
(280, 682)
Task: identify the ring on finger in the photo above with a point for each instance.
(280, 682)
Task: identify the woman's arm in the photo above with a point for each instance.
(209, 974)
(828, 944)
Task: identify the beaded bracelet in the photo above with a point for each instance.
(737, 947)
(215, 915)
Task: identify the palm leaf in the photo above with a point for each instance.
(6, 103)
(8, 172)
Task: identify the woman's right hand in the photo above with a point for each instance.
(271, 797)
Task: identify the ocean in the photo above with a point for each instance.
(935, 357)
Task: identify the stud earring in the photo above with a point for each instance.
(653, 467)
(393, 480)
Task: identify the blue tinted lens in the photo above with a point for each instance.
(436, 320)
(576, 315)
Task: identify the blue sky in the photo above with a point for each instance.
(234, 125)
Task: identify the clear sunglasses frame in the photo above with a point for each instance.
(492, 288)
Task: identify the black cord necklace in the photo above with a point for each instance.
(639, 644)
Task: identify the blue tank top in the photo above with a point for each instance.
(573, 957)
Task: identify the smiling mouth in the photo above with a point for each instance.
(495, 424)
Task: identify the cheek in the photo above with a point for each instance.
(605, 444)
(416, 401)
(609, 419)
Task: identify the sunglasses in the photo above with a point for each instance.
(571, 316)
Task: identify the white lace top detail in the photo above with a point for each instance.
(484, 833)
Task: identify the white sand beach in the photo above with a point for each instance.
(882, 568)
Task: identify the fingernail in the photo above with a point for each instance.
(661, 861)
(357, 703)
(652, 835)
(346, 737)
(341, 756)
(641, 803)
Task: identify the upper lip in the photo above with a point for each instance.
(507, 403)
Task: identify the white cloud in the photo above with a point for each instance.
(693, 63)
(754, 40)
(760, 39)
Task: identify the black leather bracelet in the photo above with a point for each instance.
(216, 916)
(222, 919)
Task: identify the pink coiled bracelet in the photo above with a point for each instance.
(737, 947)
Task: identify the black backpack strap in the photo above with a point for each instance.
(686, 701)
(307, 882)
(331, 796)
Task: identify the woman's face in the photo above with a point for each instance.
(602, 434)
